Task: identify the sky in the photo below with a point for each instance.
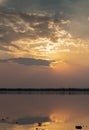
(44, 44)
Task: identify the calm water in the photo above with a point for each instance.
(65, 112)
(46, 126)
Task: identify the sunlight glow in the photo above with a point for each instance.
(59, 42)
(58, 118)
(58, 45)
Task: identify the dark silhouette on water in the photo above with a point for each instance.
(39, 124)
(42, 91)
(78, 127)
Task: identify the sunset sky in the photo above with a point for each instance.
(44, 44)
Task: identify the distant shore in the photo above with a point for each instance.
(43, 91)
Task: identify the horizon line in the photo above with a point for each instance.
(45, 91)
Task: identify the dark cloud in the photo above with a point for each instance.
(39, 4)
(2, 3)
(75, 11)
(79, 19)
(15, 26)
(4, 48)
(28, 61)
(31, 120)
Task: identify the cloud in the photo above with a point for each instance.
(31, 120)
(28, 61)
(2, 2)
(21, 32)
(39, 5)
(14, 26)
(75, 11)
(41, 33)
